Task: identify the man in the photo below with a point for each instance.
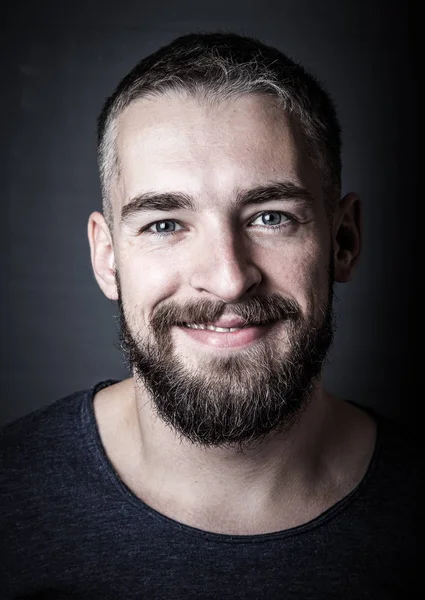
(221, 468)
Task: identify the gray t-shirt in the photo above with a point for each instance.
(70, 528)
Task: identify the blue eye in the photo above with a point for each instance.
(273, 218)
(163, 227)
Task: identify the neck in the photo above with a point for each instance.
(167, 452)
(285, 480)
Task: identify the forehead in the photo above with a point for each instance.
(181, 144)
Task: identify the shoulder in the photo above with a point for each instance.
(395, 440)
(43, 457)
(397, 444)
(395, 474)
(394, 470)
(43, 436)
(35, 429)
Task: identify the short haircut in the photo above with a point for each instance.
(215, 67)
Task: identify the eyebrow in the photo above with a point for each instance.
(169, 201)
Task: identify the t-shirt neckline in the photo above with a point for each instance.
(93, 433)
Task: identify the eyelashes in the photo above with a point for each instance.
(169, 225)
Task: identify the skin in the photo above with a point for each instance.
(223, 253)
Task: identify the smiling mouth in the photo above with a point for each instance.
(221, 329)
(226, 338)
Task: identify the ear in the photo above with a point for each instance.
(102, 254)
(347, 234)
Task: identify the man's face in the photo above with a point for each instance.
(239, 238)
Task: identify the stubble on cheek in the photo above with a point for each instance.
(304, 276)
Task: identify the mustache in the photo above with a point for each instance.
(257, 310)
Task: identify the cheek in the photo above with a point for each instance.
(302, 273)
(146, 281)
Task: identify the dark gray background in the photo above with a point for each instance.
(60, 60)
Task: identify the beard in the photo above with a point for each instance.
(238, 399)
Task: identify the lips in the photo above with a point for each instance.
(230, 338)
(214, 327)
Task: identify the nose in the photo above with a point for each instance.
(223, 267)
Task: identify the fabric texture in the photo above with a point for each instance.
(70, 528)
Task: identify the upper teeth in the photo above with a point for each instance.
(212, 328)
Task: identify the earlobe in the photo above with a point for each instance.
(347, 237)
(102, 254)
